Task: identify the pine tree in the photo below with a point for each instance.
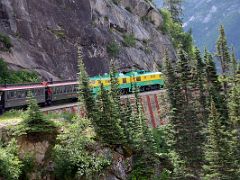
(234, 64)
(223, 56)
(175, 119)
(86, 97)
(200, 78)
(214, 87)
(175, 8)
(186, 138)
(109, 127)
(218, 149)
(145, 145)
(34, 121)
(126, 113)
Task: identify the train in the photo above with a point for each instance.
(46, 93)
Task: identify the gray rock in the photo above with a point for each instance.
(45, 35)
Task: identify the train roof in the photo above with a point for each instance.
(125, 74)
(54, 84)
(20, 87)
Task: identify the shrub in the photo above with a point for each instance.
(113, 49)
(72, 160)
(10, 164)
(129, 40)
(12, 77)
(6, 41)
(176, 32)
(34, 120)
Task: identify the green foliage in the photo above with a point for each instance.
(109, 128)
(28, 165)
(129, 40)
(113, 49)
(220, 164)
(34, 121)
(12, 77)
(176, 32)
(175, 9)
(6, 41)
(159, 135)
(72, 157)
(214, 87)
(223, 56)
(10, 164)
(12, 115)
(185, 137)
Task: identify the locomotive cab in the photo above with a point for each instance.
(1, 102)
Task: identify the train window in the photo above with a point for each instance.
(124, 80)
(138, 78)
(12, 94)
(144, 77)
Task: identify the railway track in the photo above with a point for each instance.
(69, 105)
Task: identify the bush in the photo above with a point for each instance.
(10, 165)
(12, 77)
(129, 40)
(71, 157)
(113, 49)
(6, 41)
(176, 32)
(34, 121)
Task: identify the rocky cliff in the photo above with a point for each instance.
(45, 34)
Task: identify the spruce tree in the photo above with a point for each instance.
(86, 97)
(184, 131)
(218, 149)
(126, 113)
(189, 144)
(214, 87)
(233, 65)
(223, 56)
(34, 121)
(200, 78)
(109, 127)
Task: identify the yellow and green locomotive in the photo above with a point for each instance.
(144, 80)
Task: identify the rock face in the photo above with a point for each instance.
(45, 34)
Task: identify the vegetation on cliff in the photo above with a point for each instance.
(10, 77)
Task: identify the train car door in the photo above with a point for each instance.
(1, 102)
(48, 93)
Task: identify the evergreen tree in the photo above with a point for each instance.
(233, 64)
(86, 97)
(109, 125)
(214, 87)
(191, 142)
(34, 121)
(200, 78)
(218, 150)
(175, 8)
(145, 145)
(126, 114)
(223, 56)
(187, 126)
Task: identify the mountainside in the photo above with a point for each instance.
(205, 16)
(45, 34)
